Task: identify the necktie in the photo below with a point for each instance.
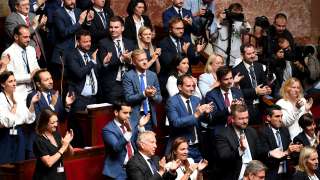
(226, 99)
(86, 59)
(49, 98)
(128, 145)
(192, 129)
(25, 60)
(142, 88)
(279, 143)
(27, 21)
(118, 46)
(153, 166)
(178, 46)
(180, 13)
(246, 157)
(104, 21)
(253, 77)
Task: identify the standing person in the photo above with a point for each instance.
(293, 105)
(188, 169)
(14, 113)
(115, 55)
(308, 165)
(49, 147)
(144, 98)
(135, 19)
(145, 37)
(119, 138)
(254, 83)
(23, 61)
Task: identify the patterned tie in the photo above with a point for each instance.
(27, 21)
(25, 60)
(128, 145)
(153, 166)
(253, 77)
(104, 21)
(142, 88)
(86, 59)
(118, 46)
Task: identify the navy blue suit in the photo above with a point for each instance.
(170, 13)
(111, 89)
(64, 32)
(115, 148)
(220, 113)
(134, 95)
(181, 122)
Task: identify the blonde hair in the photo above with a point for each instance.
(150, 46)
(286, 85)
(211, 59)
(136, 52)
(305, 154)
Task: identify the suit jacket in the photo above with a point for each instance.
(77, 71)
(130, 31)
(181, 122)
(115, 148)
(248, 91)
(299, 175)
(43, 104)
(134, 95)
(269, 143)
(169, 13)
(227, 144)
(97, 30)
(220, 113)
(108, 73)
(137, 168)
(64, 32)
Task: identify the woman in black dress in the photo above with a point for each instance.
(49, 148)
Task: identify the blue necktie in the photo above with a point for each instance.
(25, 60)
(153, 166)
(49, 98)
(142, 88)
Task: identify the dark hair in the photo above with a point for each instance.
(16, 30)
(235, 6)
(117, 106)
(222, 71)
(270, 109)
(174, 20)
(243, 47)
(181, 78)
(305, 120)
(280, 15)
(116, 19)
(43, 120)
(82, 32)
(4, 76)
(174, 63)
(36, 76)
(132, 5)
(238, 108)
(174, 146)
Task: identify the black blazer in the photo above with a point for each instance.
(130, 31)
(108, 74)
(77, 71)
(137, 168)
(227, 143)
(299, 175)
(97, 30)
(269, 143)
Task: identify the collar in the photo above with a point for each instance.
(237, 131)
(223, 92)
(97, 10)
(174, 40)
(145, 157)
(139, 73)
(177, 9)
(23, 16)
(68, 10)
(117, 122)
(185, 99)
(19, 48)
(81, 52)
(246, 64)
(311, 139)
(274, 130)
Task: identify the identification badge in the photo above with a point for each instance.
(60, 169)
(13, 132)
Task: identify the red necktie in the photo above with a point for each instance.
(226, 99)
(36, 40)
(128, 145)
(27, 21)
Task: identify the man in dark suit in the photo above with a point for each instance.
(184, 114)
(141, 89)
(99, 26)
(236, 145)
(178, 11)
(119, 139)
(82, 71)
(115, 55)
(67, 20)
(144, 165)
(254, 83)
(176, 45)
(273, 138)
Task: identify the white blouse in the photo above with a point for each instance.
(180, 171)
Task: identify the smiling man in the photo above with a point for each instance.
(141, 89)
